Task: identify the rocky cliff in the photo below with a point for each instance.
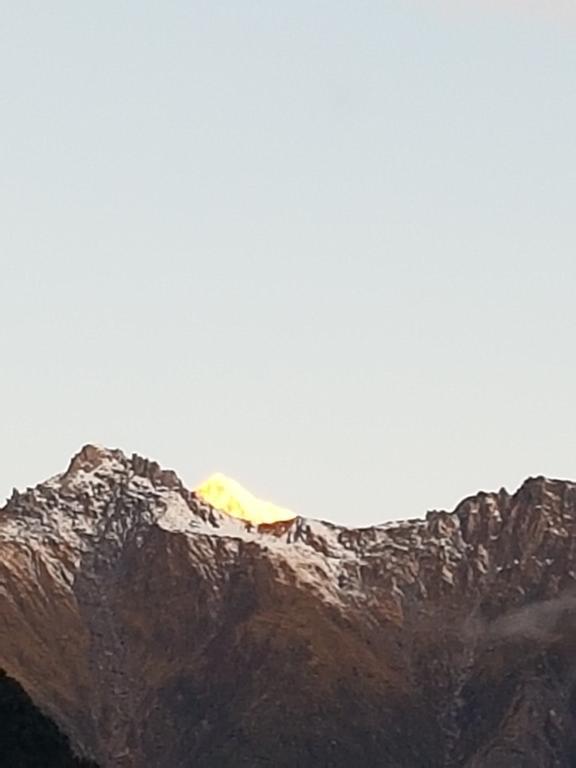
(149, 630)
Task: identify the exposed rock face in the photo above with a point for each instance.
(158, 633)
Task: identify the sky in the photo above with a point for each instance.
(327, 248)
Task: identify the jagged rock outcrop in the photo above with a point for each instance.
(156, 632)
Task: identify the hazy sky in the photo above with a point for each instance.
(325, 247)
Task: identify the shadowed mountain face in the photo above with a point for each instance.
(28, 739)
(155, 631)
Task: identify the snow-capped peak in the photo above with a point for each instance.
(228, 496)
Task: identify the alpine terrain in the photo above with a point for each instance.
(142, 627)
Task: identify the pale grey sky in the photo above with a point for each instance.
(324, 247)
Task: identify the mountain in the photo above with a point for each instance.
(140, 627)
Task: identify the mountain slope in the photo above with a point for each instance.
(156, 631)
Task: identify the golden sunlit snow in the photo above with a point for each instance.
(228, 496)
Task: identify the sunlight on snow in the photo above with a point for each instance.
(228, 496)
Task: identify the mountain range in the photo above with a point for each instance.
(142, 627)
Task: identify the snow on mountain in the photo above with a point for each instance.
(156, 630)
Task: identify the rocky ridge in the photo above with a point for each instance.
(154, 630)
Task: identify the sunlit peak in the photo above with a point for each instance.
(228, 496)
